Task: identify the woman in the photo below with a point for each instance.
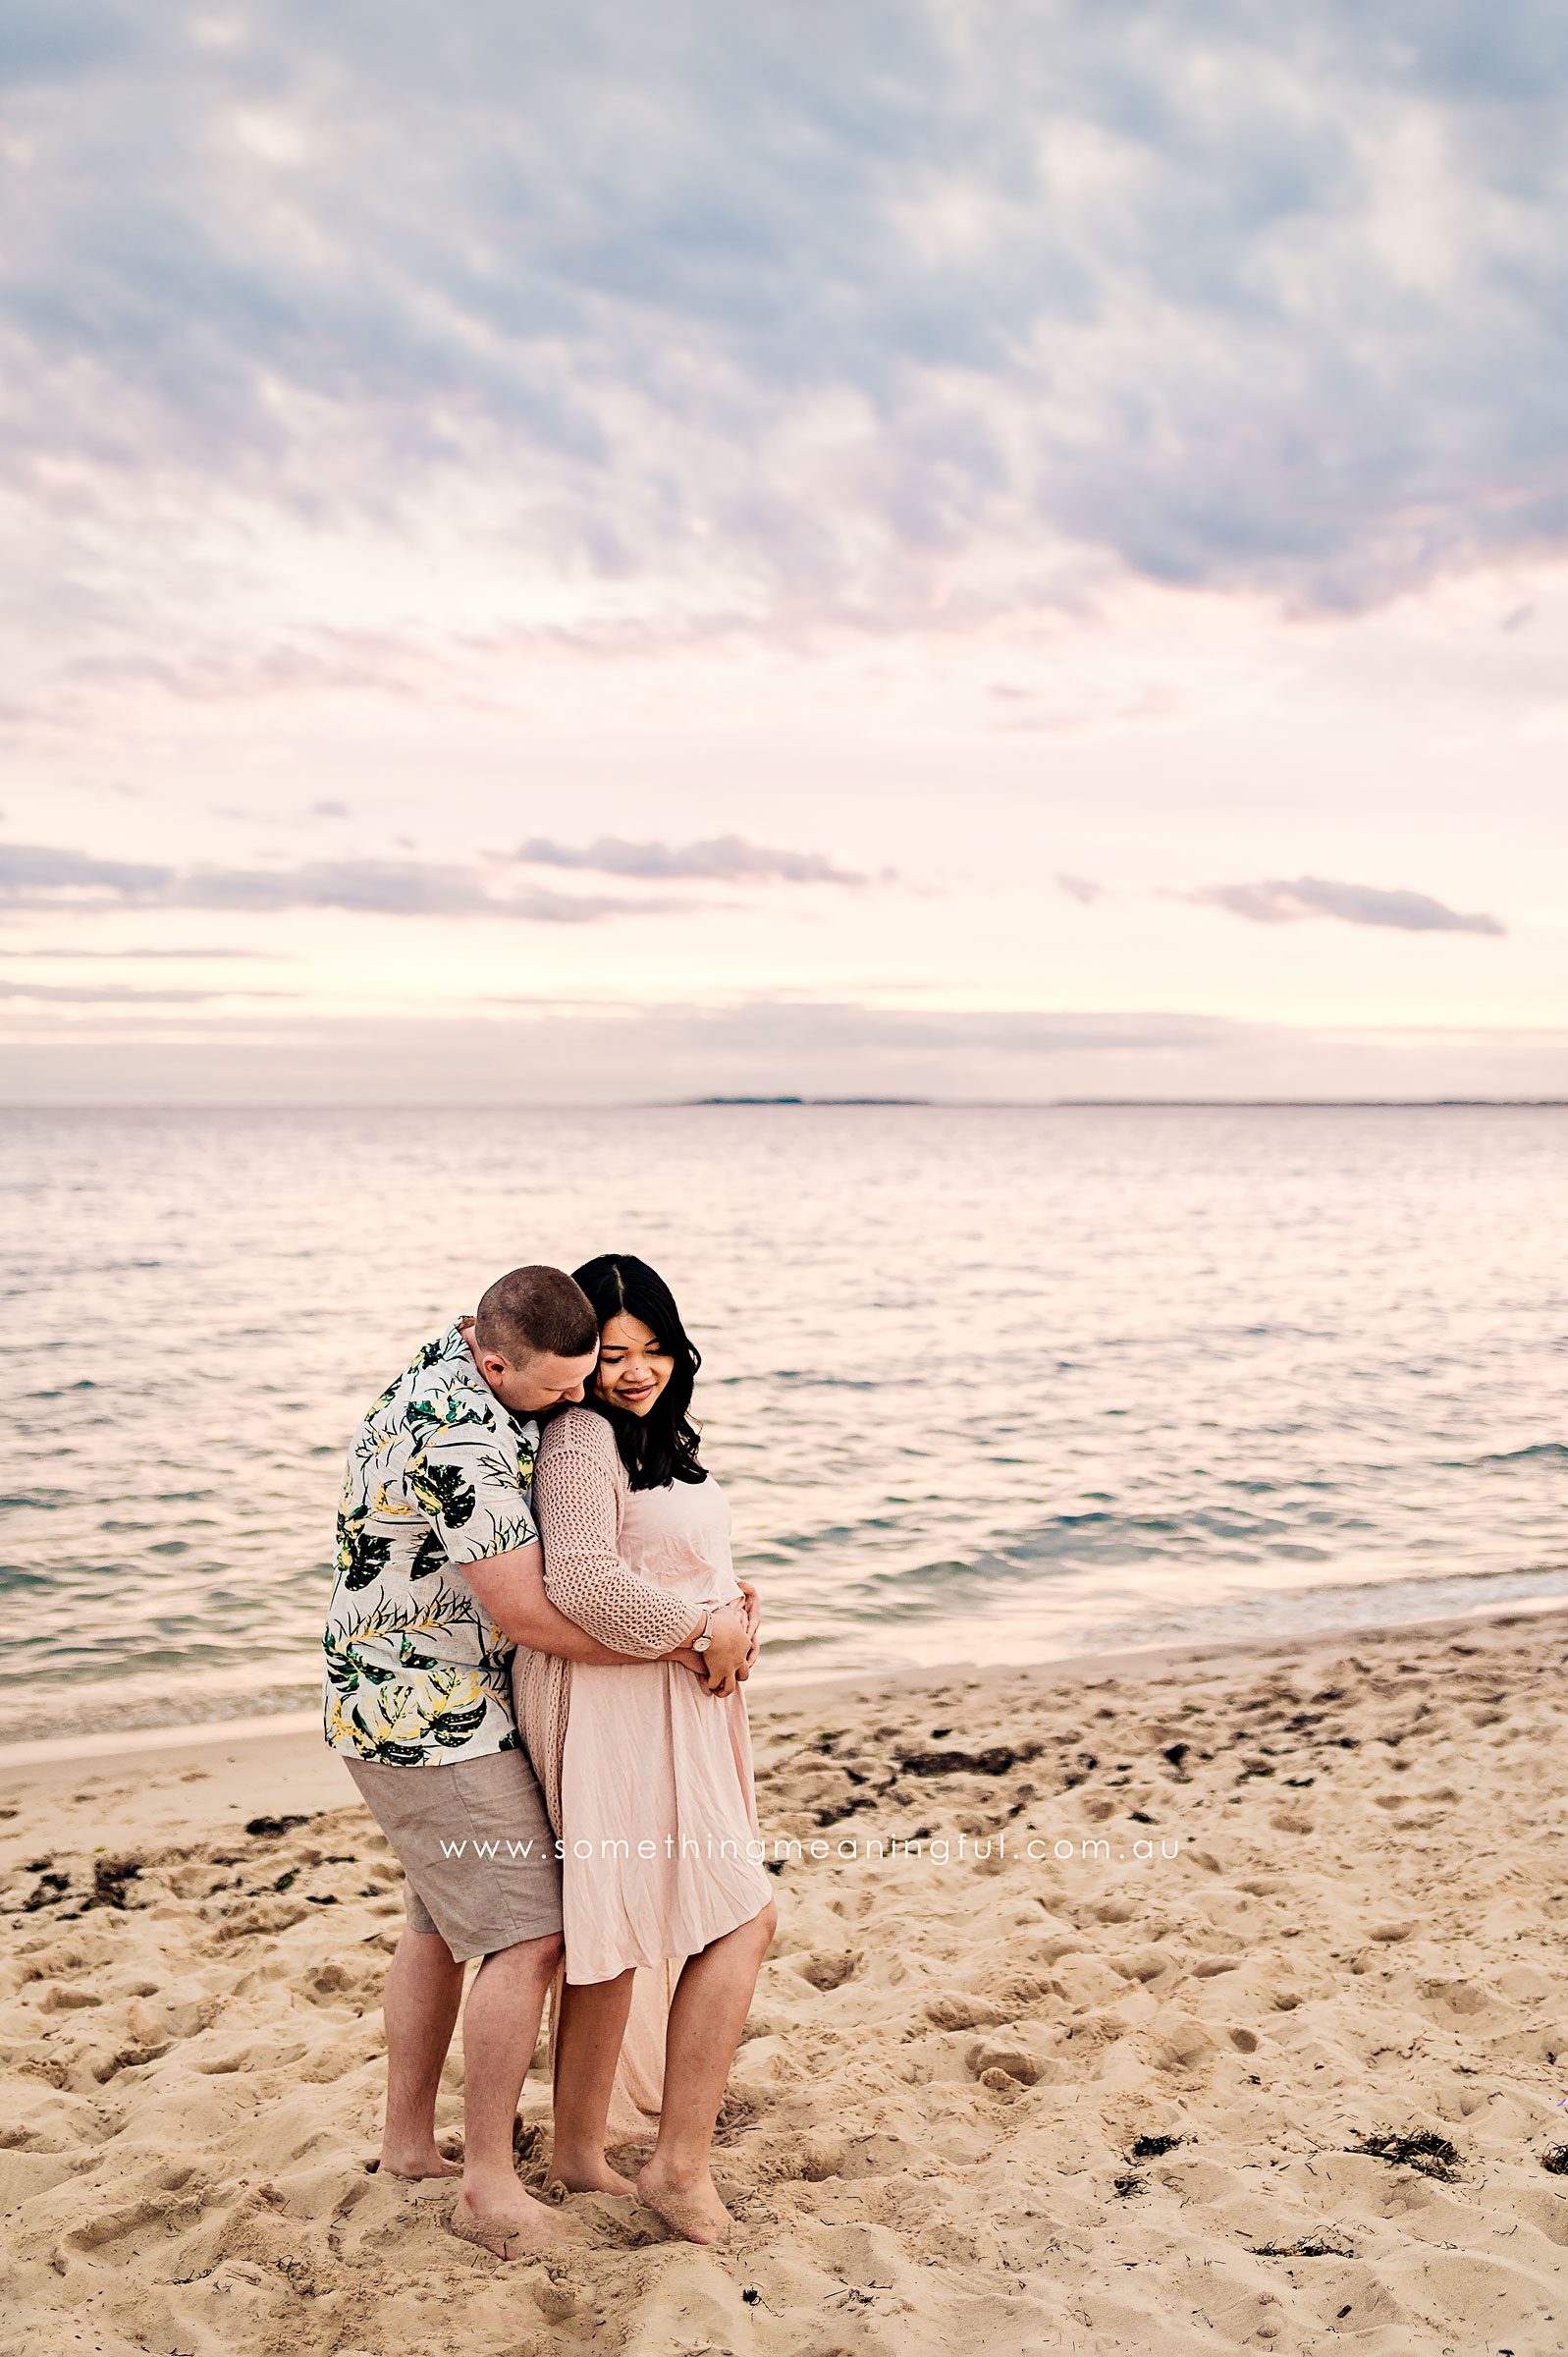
(646, 1767)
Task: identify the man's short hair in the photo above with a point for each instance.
(536, 1309)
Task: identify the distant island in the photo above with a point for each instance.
(805, 1100)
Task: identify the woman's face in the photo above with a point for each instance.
(632, 1369)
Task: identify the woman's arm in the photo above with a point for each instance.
(576, 1503)
(512, 1589)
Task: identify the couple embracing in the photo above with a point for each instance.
(535, 1655)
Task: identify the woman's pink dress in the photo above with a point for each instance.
(647, 1778)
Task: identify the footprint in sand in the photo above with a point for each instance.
(827, 1968)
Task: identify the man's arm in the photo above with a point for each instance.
(511, 1588)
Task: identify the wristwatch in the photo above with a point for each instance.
(701, 1642)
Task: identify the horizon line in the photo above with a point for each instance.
(791, 1102)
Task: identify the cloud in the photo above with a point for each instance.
(31, 870)
(202, 956)
(32, 876)
(741, 316)
(126, 994)
(1278, 904)
(726, 857)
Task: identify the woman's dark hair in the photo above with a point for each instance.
(661, 1447)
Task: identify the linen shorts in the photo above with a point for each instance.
(474, 1843)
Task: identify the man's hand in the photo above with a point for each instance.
(753, 1624)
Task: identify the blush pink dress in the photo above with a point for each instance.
(647, 1779)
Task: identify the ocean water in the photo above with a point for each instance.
(985, 1385)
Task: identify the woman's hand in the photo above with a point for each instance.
(729, 1643)
(732, 1646)
(752, 1603)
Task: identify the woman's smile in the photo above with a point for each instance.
(633, 1365)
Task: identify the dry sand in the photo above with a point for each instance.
(935, 2118)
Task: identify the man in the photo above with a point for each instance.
(439, 1579)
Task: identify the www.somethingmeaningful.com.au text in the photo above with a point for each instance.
(939, 1849)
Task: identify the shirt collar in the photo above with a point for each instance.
(455, 1351)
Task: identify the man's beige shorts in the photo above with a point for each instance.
(475, 1847)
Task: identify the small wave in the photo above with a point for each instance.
(1101, 1538)
(1473, 1573)
(1539, 1452)
(84, 1711)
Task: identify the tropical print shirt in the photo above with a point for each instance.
(440, 1474)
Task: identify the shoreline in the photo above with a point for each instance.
(51, 1757)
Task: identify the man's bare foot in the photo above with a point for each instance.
(510, 2225)
(592, 2175)
(424, 2161)
(689, 2204)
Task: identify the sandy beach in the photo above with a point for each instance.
(1106, 2058)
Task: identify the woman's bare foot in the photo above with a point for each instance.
(510, 2225)
(689, 2204)
(593, 2174)
(422, 2161)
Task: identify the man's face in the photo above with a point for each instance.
(531, 1386)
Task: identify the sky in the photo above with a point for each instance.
(577, 553)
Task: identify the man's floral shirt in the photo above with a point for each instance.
(440, 1474)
